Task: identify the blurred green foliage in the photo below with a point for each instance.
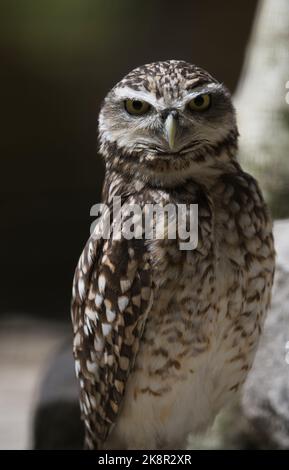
(62, 31)
(56, 25)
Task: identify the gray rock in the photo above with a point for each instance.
(265, 400)
(57, 423)
(281, 235)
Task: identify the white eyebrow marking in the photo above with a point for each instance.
(159, 104)
(200, 90)
(206, 88)
(129, 93)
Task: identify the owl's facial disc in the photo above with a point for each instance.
(139, 121)
(167, 111)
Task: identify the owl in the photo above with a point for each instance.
(164, 336)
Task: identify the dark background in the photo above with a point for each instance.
(58, 60)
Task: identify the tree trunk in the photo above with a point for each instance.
(262, 101)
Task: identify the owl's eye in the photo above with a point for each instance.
(200, 103)
(136, 107)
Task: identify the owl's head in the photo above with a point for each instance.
(167, 121)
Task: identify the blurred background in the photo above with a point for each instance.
(58, 60)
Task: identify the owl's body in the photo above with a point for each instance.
(164, 337)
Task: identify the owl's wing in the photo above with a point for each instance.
(112, 295)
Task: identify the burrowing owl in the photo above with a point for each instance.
(164, 337)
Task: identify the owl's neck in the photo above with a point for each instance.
(203, 166)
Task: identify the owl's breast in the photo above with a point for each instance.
(204, 324)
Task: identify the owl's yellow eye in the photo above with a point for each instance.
(136, 107)
(200, 103)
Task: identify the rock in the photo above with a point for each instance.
(57, 423)
(265, 400)
(281, 235)
(260, 420)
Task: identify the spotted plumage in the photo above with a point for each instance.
(164, 337)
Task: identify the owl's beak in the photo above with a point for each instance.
(170, 130)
